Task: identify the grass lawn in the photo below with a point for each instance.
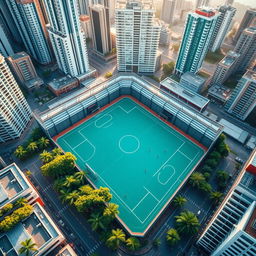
(214, 57)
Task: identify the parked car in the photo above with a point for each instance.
(239, 160)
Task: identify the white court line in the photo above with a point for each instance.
(168, 159)
(151, 194)
(158, 176)
(100, 126)
(129, 111)
(79, 143)
(140, 201)
(185, 155)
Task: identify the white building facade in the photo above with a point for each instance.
(15, 113)
(137, 37)
(67, 38)
(30, 22)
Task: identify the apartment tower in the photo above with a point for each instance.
(67, 38)
(137, 36)
(196, 40)
(243, 99)
(15, 113)
(222, 26)
(30, 22)
(168, 11)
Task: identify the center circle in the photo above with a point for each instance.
(129, 144)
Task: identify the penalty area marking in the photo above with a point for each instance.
(163, 169)
(107, 122)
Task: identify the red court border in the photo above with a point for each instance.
(142, 105)
(162, 119)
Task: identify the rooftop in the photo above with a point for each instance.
(230, 58)
(12, 184)
(134, 4)
(250, 228)
(220, 92)
(250, 74)
(37, 226)
(189, 95)
(66, 251)
(59, 83)
(205, 11)
(18, 55)
(193, 78)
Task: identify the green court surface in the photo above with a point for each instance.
(137, 156)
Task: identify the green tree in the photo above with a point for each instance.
(168, 68)
(215, 155)
(71, 197)
(56, 152)
(28, 247)
(20, 152)
(63, 195)
(43, 142)
(111, 210)
(157, 242)
(32, 147)
(172, 236)
(222, 176)
(211, 162)
(80, 176)
(46, 157)
(216, 196)
(97, 221)
(60, 166)
(207, 168)
(133, 243)
(207, 175)
(196, 179)
(21, 202)
(224, 149)
(179, 201)
(70, 181)
(187, 223)
(205, 186)
(116, 238)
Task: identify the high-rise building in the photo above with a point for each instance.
(15, 113)
(232, 229)
(247, 21)
(222, 26)
(200, 3)
(67, 38)
(84, 6)
(99, 16)
(229, 2)
(246, 47)
(30, 22)
(225, 68)
(196, 40)
(24, 70)
(86, 25)
(5, 45)
(168, 11)
(165, 34)
(137, 36)
(243, 99)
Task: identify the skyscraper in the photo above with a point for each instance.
(137, 36)
(68, 40)
(232, 229)
(222, 26)
(247, 21)
(229, 2)
(225, 68)
(100, 22)
(196, 40)
(246, 47)
(14, 110)
(30, 22)
(168, 11)
(200, 3)
(243, 99)
(5, 45)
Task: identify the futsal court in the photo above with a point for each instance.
(140, 158)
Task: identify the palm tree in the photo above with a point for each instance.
(96, 221)
(187, 223)
(43, 142)
(222, 176)
(46, 157)
(216, 196)
(179, 201)
(172, 236)
(70, 181)
(20, 152)
(71, 197)
(32, 147)
(196, 179)
(157, 242)
(56, 151)
(111, 210)
(133, 243)
(206, 187)
(27, 247)
(117, 236)
(80, 176)
(63, 195)
(21, 202)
